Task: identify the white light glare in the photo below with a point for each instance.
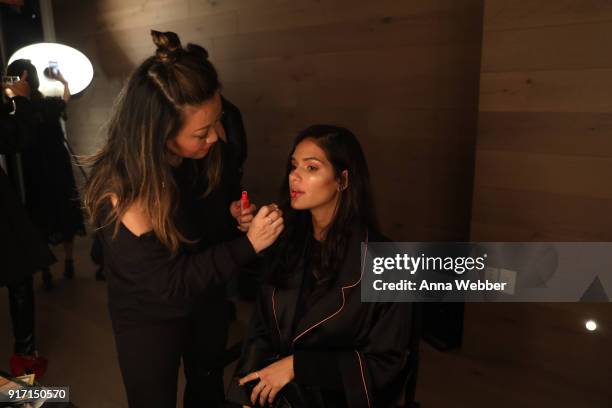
(591, 325)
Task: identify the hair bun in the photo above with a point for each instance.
(197, 50)
(168, 45)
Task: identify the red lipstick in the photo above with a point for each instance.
(244, 200)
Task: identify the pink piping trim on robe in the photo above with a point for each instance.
(365, 387)
(337, 312)
(274, 312)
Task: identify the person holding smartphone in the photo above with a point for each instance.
(22, 249)
(52, 198)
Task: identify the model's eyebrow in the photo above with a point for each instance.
(307, 158)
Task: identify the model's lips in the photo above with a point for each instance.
(296, 193)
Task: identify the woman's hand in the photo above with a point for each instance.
(271, 380)
(57, 76)
(19, 88)
(244, 216)
(265, 227)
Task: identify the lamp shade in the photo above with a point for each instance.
(72, 63)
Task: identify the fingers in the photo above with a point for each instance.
(273, 216)
(251, 209)
(272, 395)
(254, 395)
(278, 224)
(236, 207)
(263, 395)
(265, 227)
(24, 76)
(256, 391)
(245, 219)
(267, 209)
(244, 222)
(243, 216)
(274, 213)
(263, 211)
(249, 377)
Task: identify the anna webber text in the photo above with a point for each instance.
(457, 284)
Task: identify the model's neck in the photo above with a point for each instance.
(321, 220)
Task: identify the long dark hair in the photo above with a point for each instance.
(17, 67)
(134, 163)
(354, 211)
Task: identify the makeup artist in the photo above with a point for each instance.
(156, 193)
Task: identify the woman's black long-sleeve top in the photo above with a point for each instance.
(145, 283)
(353, 353)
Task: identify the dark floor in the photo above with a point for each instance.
(513, 355)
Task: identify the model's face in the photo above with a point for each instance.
(201, 130)
(312, 183)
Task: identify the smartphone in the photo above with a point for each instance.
(9, 80)
(53, 68)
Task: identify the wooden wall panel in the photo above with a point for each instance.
(587, 218)
(544, 109)
(552, 48)
(509, 15)
(543, 170)
(557, 133)
(585, 90)
(402, 75)
(504, 375)
(582, 176)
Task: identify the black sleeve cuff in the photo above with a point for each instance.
(317, 369)
(242, 250)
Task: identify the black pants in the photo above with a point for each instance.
(149, 358)
(21, 303)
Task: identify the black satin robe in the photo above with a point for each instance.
(367, 344)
